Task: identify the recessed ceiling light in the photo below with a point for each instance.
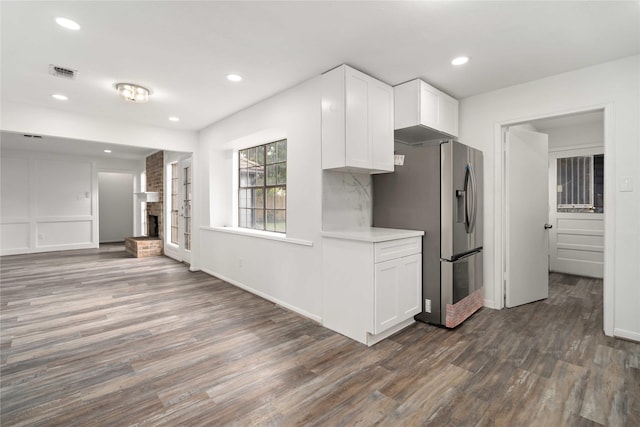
(68, 24)
(107, 151)
(174, 119)
(460, 60)
(59, 97)
(234, 77)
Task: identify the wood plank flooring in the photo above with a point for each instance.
(94, 337)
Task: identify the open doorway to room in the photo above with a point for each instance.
(576, 193)
(115, 206)
(567, 235)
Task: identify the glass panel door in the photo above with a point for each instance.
(186, 171)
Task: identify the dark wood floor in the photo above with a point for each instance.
(94, 337)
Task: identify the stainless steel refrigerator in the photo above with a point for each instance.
(438, 189)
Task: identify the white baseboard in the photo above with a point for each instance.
(489, 304)
(52, 248)
(263, 295)
(374, 339)
(628, 335)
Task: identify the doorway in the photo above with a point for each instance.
(575, 201)
(115, 206)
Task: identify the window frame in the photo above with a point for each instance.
(589, 195)
(272, 204)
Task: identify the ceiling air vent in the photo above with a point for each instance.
(65, 73)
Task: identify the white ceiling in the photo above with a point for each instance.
(569, 120)
(183, 50)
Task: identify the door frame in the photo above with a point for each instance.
(609, 200)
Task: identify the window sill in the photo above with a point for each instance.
(259, 234)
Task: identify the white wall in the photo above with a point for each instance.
(588, 134)
(47, 203)
(115, 201)
(45, 121)
(614, 85)
(44, 204)
(23, 118)
(285, 271)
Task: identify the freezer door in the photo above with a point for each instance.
(462, 199)
(460, 279)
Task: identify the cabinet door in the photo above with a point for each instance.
(397, 291)
(387, 279)
(358, 151)
(448, 114)
(381, 125)
(410, 286)
(429, 108)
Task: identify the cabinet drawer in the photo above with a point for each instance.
(384, 251)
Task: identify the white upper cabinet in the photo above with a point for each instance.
(357, 122)
(423, 113)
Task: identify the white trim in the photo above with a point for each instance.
(609, 221)
(489, 303)
(609, 224)
(47, 219)
(49, 248)
(263, 295)
(259, 234)
(374, 339)
(589, 149)
(628, 335)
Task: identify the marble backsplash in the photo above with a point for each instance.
(346, 200)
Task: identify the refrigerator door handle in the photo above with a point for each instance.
(475, 199)
(471, 202)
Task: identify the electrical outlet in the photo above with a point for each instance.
(625, 183)
(398, 159)
(427, 305)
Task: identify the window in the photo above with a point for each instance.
(580, 182)
(262, 190)
(174, 202)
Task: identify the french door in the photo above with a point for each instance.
(179, 210)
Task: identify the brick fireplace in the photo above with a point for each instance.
(152, 243)
(155, 182)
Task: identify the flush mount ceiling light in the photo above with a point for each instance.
(68, 23)
(59, 97)
(460, 60)
(133, 92)
(234, 77)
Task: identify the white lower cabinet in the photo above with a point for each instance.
(396, 296)
(371, 290)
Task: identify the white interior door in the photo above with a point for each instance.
(527, 238)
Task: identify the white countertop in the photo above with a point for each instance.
(373, 234)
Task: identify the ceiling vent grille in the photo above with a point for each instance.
(65, 73)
